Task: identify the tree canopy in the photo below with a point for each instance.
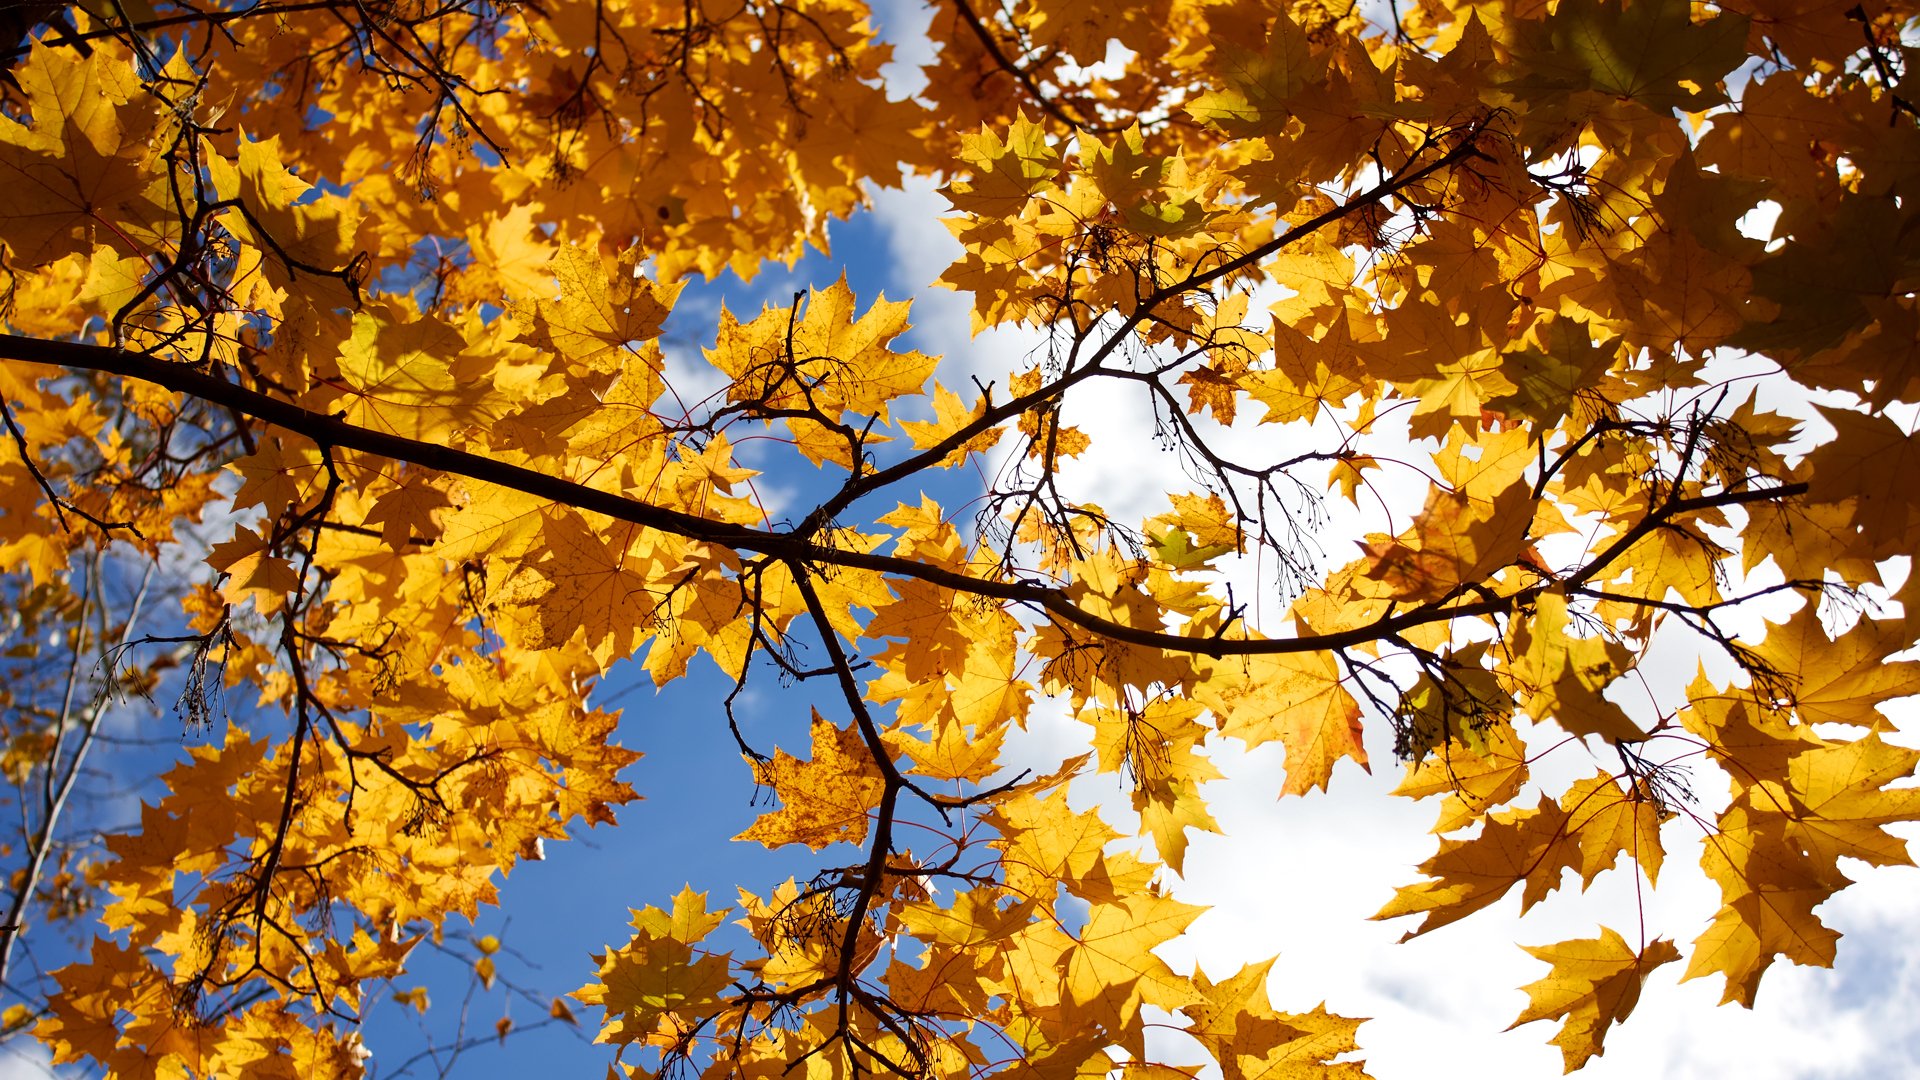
(343, 420)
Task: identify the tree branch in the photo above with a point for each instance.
(797, 547)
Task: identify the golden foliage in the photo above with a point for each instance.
(398, 406)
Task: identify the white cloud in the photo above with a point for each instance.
(24, 1059)
(903, 24)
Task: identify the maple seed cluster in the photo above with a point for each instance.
(360, 448)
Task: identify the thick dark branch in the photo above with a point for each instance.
(79, 38)
(881, 840)
(790, 546)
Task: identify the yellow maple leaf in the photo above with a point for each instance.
(955, 752)
(1769, 888)
(1005, 173)
(1594, 984)
(410, 375)
(1296, 699)
(1607, 821)
(974, 918)
(1112, 970)
(253, 571)
(1262, 84)
(1562, 676)
(824, 800)
(688, 922)
(1318, 1037)
(604, 307)
(309, 233)
(1840, 679)
(1455, 540)
(660, 974)
(1045, 844)
(815, 363)
(1475, 778)
(1515, 846)
(608, 591)
(82, 162)
(278, 475)
(1841, 802)
(950, 415)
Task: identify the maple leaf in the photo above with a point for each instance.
(1557, 363)
(1737, 729)
(410, 376)
(1151, 192)
(1595, 983)
(1563, 675)
(974, 918)
(1046, 845)
(1233, 1018)
(1209, 520)
(1321, 1037)
(608, 592)
(826, 799)
(955, 752)
(79, 162)
(408, 512)
(1458, 392)
(1112, 971)
(662, 972)
(1608, 822)
(1646, 52)
(1297, 700)
(951, 415)
(602, 307)
(253, 570)
(1841, 803)
(688, 922)
(1773, 919)
(1477, 771)
(1455, 540)
(815, 365)
(308, 230)
(1177, 550)
(1515, 846)
(1261, 85)
(277, 475)
(1858, 464)
(1844, 679)
(1237, 1024)
(1006, 173)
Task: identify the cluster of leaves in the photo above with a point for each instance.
(382, 402)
